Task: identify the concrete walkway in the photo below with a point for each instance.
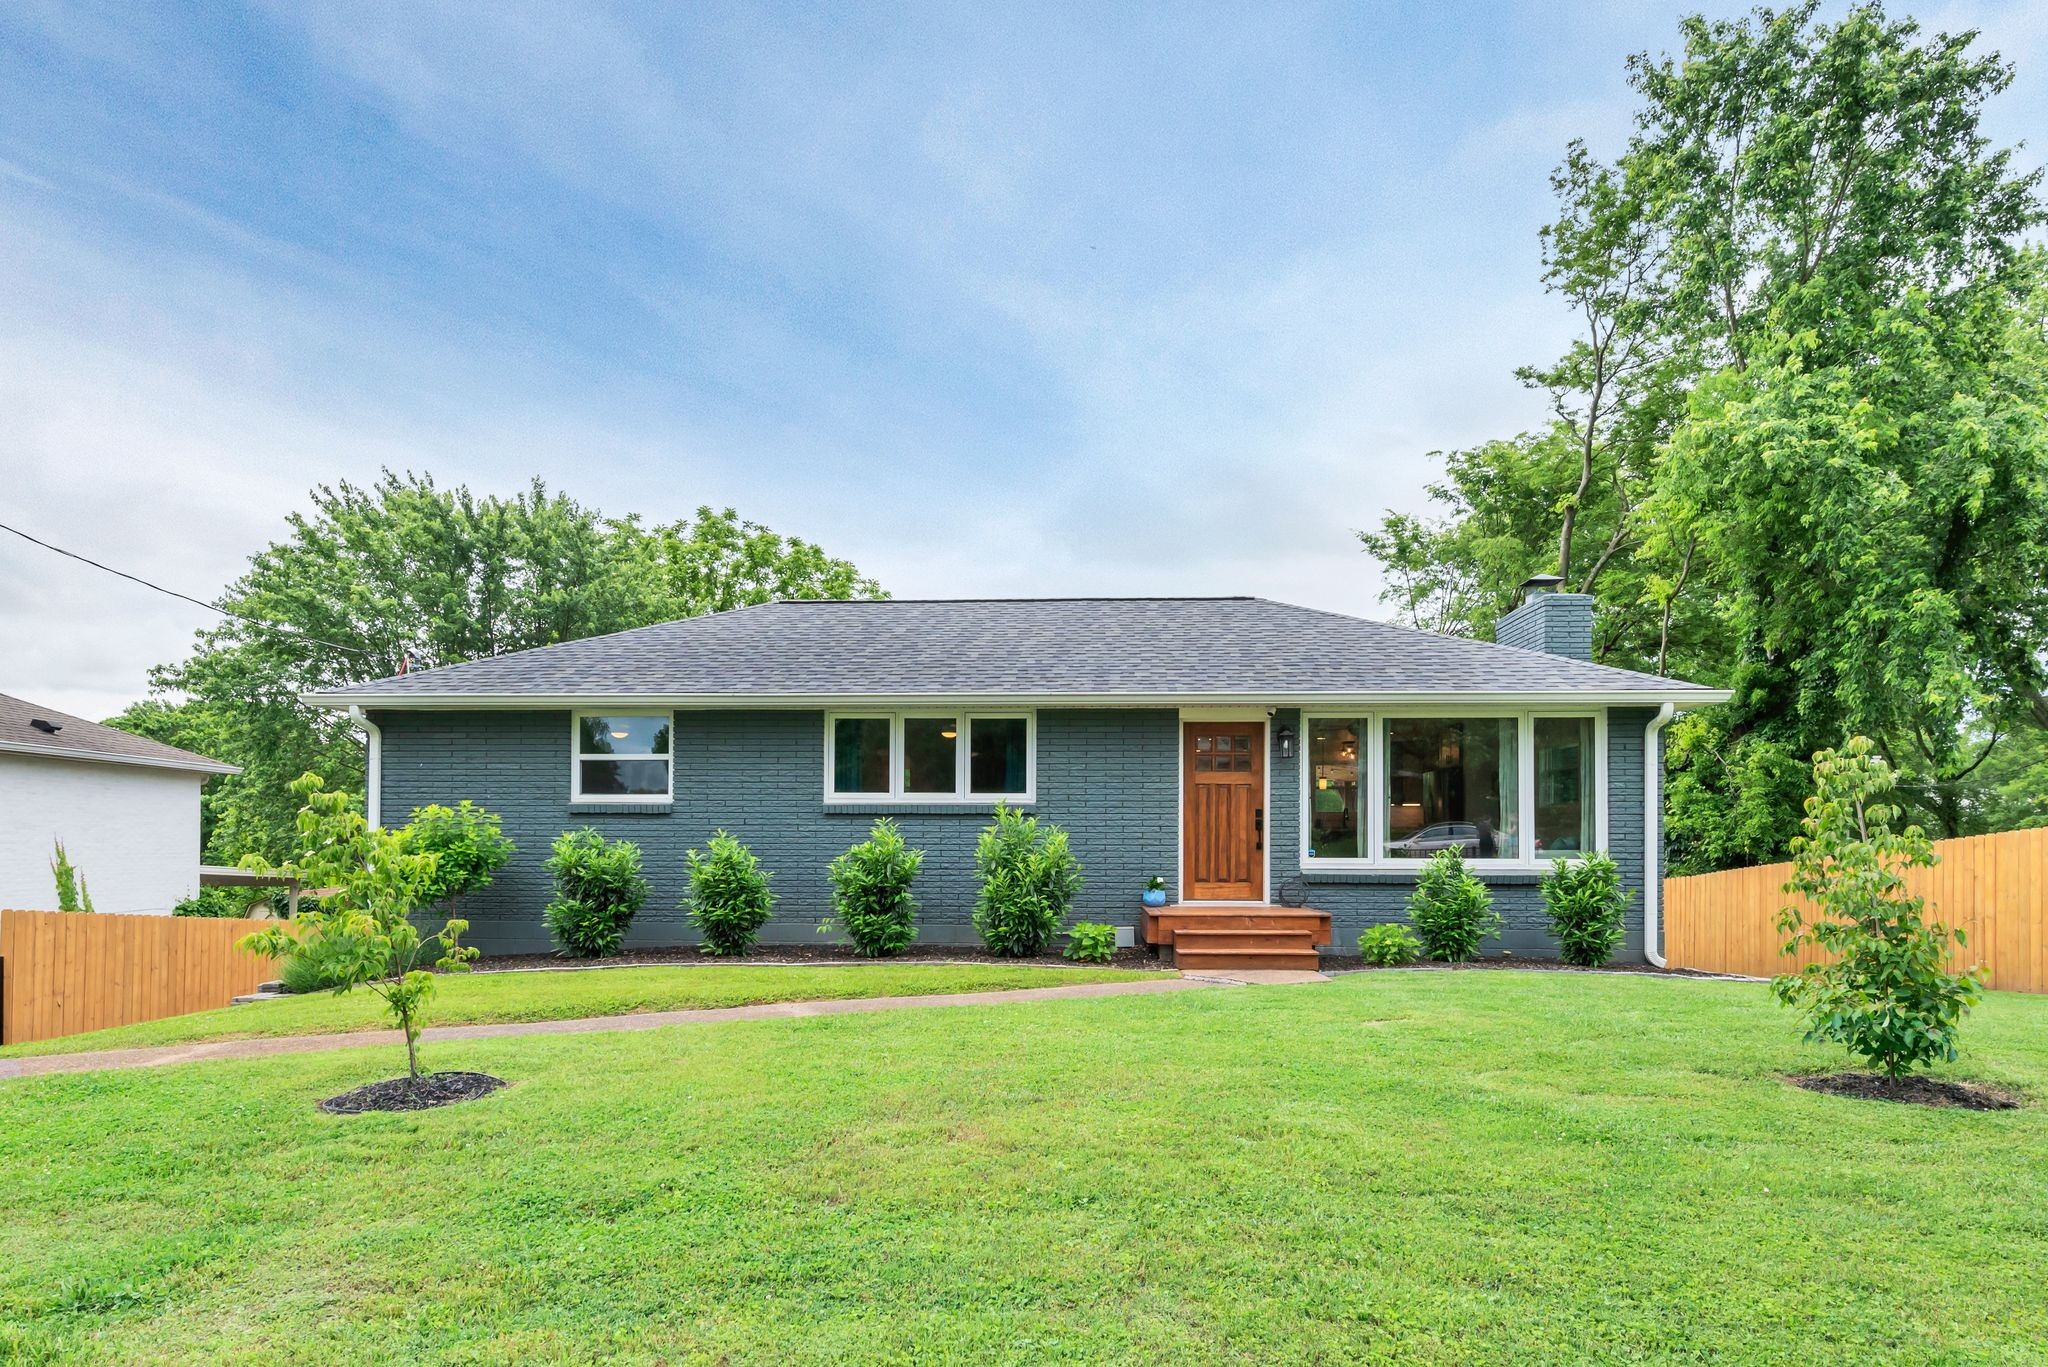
(646, 1020)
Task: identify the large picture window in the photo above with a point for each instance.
(1503, 788)
(621, 757)
(929, 757)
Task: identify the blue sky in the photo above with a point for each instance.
(992, 300)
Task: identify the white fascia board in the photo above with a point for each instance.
(194, 766)
(1679, 698)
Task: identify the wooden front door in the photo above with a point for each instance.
(1223, 811)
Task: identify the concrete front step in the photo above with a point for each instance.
(1195, 960)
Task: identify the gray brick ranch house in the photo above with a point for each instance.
(1285, 770)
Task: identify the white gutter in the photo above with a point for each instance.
(198, 764)
(1653, 834)
(373, 765)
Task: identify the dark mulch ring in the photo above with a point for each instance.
(403, 1094)
(1137, 958)
(1914, 1090)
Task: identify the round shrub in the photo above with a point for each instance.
(1091, 942)
(1451, 909)
(598, 888)
(1028, 881)
(871, 892)
(1585, 902)
(467, 843)
(729, 898)
(1389, 945)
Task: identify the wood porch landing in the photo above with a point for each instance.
(1238, 936)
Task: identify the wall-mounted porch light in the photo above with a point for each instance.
(1284, 739)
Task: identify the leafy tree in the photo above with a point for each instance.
(406, 575)
(1885, 992)
(359, 933)
(1801, 445)
(468, 843)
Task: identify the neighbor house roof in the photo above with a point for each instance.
(78, 739)
(1109, 650)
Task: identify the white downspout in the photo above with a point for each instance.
(373, 765)
(1653, 834)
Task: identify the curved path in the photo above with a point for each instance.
(645, 1020)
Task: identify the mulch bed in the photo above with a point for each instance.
(1913, 1090)
(403, 1094)
(1136, 958)
(1352, 963)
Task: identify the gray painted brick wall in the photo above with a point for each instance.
(1555, 623)
(1106, 776)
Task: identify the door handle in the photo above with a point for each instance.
(1259, 827)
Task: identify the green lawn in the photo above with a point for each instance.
(488, 998)
(1393, 1167)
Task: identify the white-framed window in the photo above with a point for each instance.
(621, 756)
(935, 754)
(1509, 788)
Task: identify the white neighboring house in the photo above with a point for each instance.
(126, 808)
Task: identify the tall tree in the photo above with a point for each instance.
(1813, 371)
(406, 575)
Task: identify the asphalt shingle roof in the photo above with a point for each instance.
(969, 648)
(76, 738)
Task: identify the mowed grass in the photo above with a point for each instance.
(490, 998)
(1392, 1167)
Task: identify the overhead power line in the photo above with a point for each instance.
(185, 597)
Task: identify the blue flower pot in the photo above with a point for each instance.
(1155, 898)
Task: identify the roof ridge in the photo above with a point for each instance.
(1050, 598)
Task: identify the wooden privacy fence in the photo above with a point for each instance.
(62, 973)
(1992, 887)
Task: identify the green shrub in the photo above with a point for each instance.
(1585, 902)
(303, 973)
(871, 892)
(222, 903)
(1451, 909)
(71, 891)
(1389, 945)
(1887, 993)
(468, 843)
(1028, 881)
(1091, 942)
(598, 889)
(729, 898)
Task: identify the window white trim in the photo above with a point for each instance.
(963, 757)
(1372, 784)
(576, 758)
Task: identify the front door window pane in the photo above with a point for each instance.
(1336, 750)
(860, 755)
(1564, 786)
(995, 764)
(1451, 784)
(929, 750)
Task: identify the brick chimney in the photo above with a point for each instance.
(1549, 621)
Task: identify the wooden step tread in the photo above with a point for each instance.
(1246, 958)
(1163, 923)
(1244, 939)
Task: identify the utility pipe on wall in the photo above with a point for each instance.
(1653, 834)
(373, 765)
